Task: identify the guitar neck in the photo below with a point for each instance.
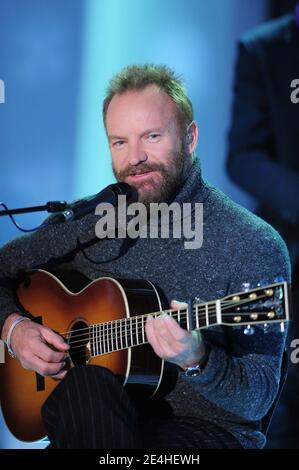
(127, 332)
(262, 305)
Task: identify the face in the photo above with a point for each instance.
(145, 143)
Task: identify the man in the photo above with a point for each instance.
(152, 135)
(263, 160)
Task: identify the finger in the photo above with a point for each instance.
(162, 343)
(54, 339)
(175, 304)
(151, 335)
(47, 354)
(177, 333)
(149, 328)
(45, 368)
(170, 330)
(60, 375)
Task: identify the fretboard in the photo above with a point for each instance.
(125, 333)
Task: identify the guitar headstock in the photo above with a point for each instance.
(264, 304)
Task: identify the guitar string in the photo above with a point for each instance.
(102, 348)
(104, 337)
(134, 333)
(135, 329)
(105, 346)
(120, 335)
(201, 312)
(200, 308)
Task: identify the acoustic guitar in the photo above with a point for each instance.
(104, 324)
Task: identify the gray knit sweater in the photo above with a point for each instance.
(240, 379)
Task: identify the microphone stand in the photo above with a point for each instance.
(51, 206)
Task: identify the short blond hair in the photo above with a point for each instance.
(137, 77)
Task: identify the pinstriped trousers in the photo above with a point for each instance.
(90, 409)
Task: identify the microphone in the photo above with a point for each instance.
(108, 195)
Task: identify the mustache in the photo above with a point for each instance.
(142, 168)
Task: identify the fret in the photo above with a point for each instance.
(116, 335)
(126, 332)
(196, 317)
(104, 338)
(113, 337)
(116, 323)
(109, 335)
(131, 331)
(100, 338)
(137, 331)
(121, 334)
(141, 323)
(112, 324)
(218, 312)
(95, 340)
(134, 332)
(207, 314)
(142, 329)
(91, 339)
(136, 338)
(179, 316)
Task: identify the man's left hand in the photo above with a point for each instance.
(173, 343)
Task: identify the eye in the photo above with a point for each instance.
(154, 137)
(118, 143)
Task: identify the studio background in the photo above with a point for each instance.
(56, 57)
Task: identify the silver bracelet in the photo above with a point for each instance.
(8, 338)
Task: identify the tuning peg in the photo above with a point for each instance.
(245, 286)
(263, 283)
(249, 330)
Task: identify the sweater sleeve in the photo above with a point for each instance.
(242, 377)
(55, 244)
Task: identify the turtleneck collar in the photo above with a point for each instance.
(194, 188)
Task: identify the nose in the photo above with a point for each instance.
(136, 153)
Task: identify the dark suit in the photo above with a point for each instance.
(264, 137)
(263, 158)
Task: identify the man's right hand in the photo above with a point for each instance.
(37, 347)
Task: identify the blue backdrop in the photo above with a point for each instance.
(55, 60)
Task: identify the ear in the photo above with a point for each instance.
(192, 137)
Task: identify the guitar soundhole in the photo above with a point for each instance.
(79, 343)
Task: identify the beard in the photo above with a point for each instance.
(173, 176)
